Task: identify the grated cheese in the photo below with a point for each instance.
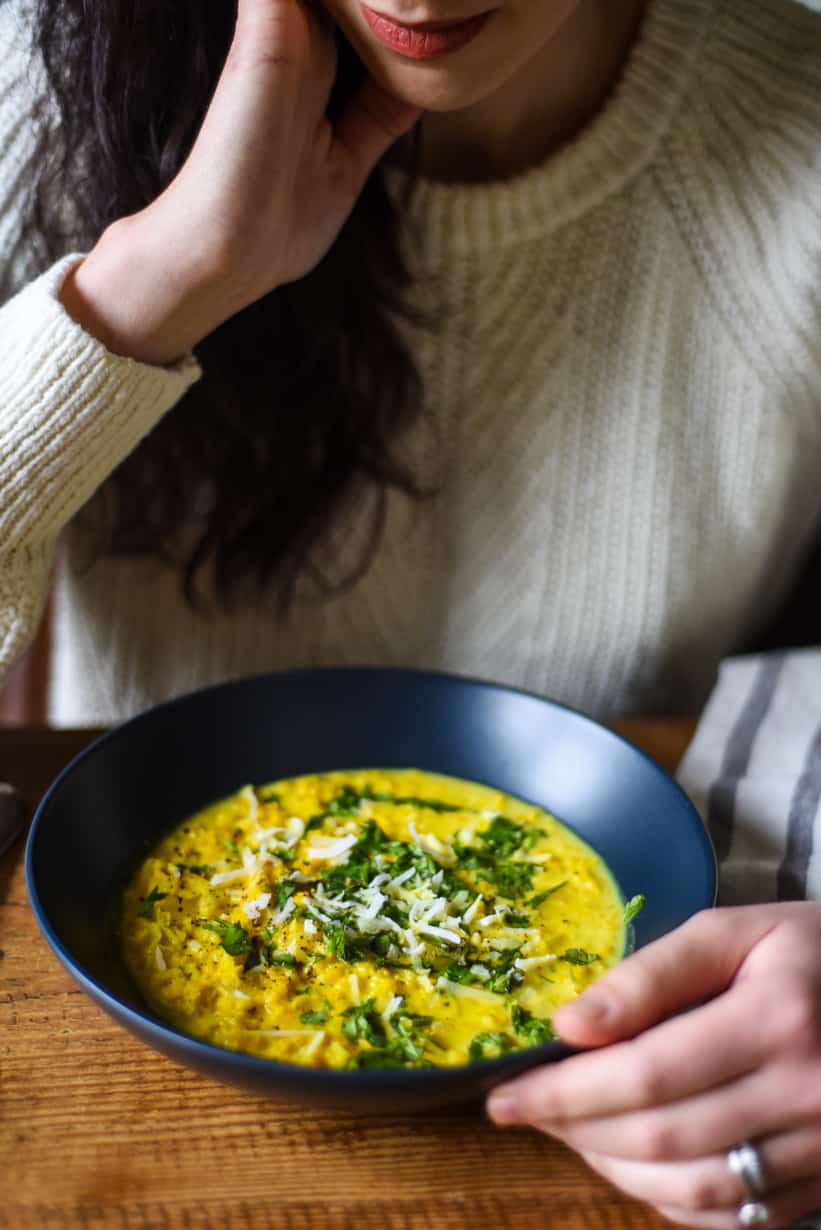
(525, 963)
(465, 992)
(253, 909)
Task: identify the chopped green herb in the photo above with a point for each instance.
(540, 898)
(231, 847)
(513, 879)
(235, 939)
(579, 956)
(409, 1040)
(362, 1021)
(285, 889)
(515, 919)
(490, 1046)
(282, 958)
(504, 975)
(150, 901)
(314, 1018)
(459, 973)
(266, 794)
(430, 804)
(531, 1027)
(504, 837)
(336, 942)
(346, 803)
(633, 906)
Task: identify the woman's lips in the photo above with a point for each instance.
(426, 41)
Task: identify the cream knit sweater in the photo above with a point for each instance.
(627, 388)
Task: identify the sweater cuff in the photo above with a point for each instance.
(70, 410)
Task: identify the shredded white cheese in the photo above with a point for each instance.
(229, 877)
(394, 1004)
(525, 963)
(252, 801)
(472, 910)
(401, 879)
(287, 909)
(332, 849)
(440, 933)
(458, 989)
(253, 909)
(314, 1044)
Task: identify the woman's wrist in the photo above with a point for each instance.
(134, 299)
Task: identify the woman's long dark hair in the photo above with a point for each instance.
(294, 426)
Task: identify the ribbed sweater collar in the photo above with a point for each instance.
(449, 219)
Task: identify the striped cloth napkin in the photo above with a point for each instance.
(754, 772)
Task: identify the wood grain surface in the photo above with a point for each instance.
(98, 1132)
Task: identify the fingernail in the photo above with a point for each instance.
(503, 1108)
(591, 1007)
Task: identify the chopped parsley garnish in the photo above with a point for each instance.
(282, 958)
(150, 901)
(504, 838)
(362, 1021)
(337, 946)
(490, 1046)
(235, 939)
(513, 879)
(266, 794)
(531, 1027)
(515, 919)
(285, 889)
(633, 906)
(579, 956)
(459, 973)
(430, 804)
(315, 1018)
(262, 951)
(504, 975)
(346, 803)
(406, 1047)
(540, 898)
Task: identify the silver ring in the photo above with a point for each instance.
(753, 1214)
(744, 1161)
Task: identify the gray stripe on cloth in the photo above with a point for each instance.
(737, 752)
(792, 874)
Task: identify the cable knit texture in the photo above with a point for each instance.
(626, 381)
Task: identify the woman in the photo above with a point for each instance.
(506, 324)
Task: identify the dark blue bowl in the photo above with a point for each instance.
(112, 804)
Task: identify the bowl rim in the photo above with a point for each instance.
(339, 1078)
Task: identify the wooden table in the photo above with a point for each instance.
(97, 1132)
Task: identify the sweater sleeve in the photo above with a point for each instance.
(742, 175)
(70, 411)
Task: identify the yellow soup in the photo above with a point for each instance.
(370, 919)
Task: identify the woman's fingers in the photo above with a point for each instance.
(784, 1207)
(668, 1063)
(697, 961)
(791, 1161)
(772, 1099)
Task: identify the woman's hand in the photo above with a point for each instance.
(263, 195)
(657, 1109)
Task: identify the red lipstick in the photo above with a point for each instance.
(426, 41)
